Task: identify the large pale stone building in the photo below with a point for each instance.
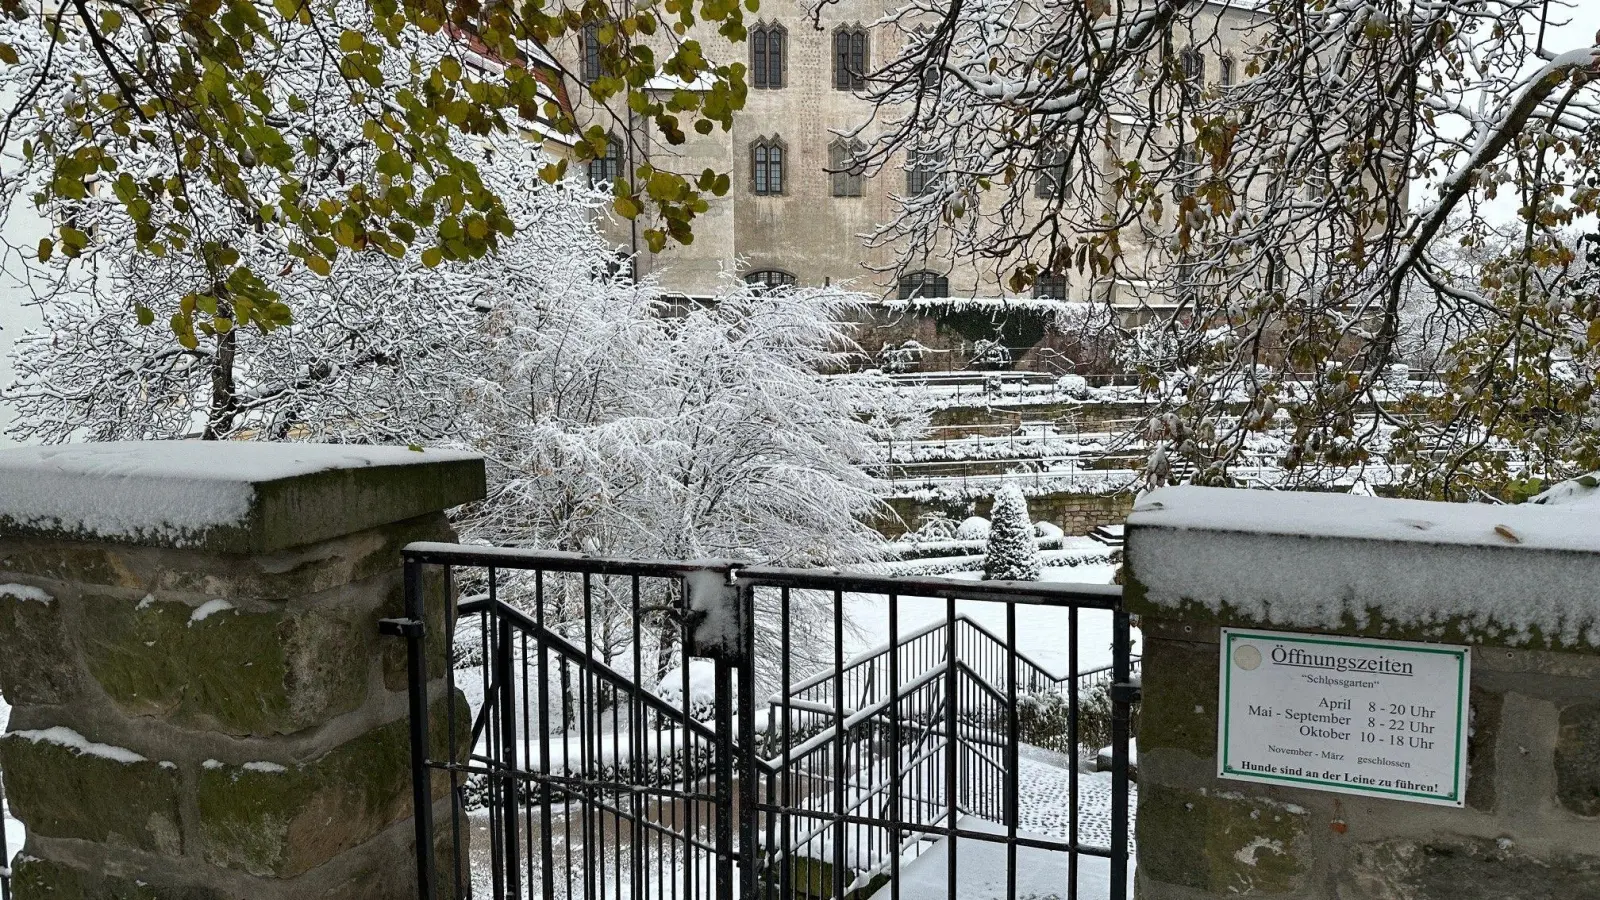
(790, 216)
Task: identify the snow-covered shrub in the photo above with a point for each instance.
(1044, 719)
(934, 527)
(1397, 378)
(897, 358)
(1012, 554)
(1047, 530)
(973, 528)
(1074, 386)
(702, 689)
(990, 354)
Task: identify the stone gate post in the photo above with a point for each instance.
(1518, 586)
(203, 706)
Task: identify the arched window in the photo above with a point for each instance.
(606, 169)
(591, 53)
(1227, 72)
(923, 284)
(1194, 67)
(843, 165)
(850, 58)
(1050, 287)
(922, 171)
(1053, 172)
(767, 45)
(766, 280)
(766, 166)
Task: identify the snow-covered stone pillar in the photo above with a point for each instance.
(203, 705)
(1519, 586)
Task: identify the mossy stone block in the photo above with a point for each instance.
(64, 792)
(1179, 710)
(1465, 869)
(41, 879)
(280, 821)
(1220, 843)
(237, 670)
(37, 664)
(1577, 759)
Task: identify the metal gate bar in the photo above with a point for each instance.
(595, 775)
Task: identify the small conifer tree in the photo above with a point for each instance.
(1012, 554)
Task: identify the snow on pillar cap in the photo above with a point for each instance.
(225, 496)
(1458, 571)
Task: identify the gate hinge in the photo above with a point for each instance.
(1126, 692)
(406, 628)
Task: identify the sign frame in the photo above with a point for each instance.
(1457, 795)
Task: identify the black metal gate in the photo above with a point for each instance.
(652, 730)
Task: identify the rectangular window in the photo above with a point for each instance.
(922, 172)
(591, 53)
(1227, 71)
(1052, 183)
(760, 169)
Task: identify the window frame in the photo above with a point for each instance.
(847, 180)
(771, 280)
(1045, 281)
(764, 39)
(609, 161)
(1193, 63)
(913, 285)
(924, 171)
(768, 155)
(1055, 168)
(851, 47)
(1228, 72)
(589, 37)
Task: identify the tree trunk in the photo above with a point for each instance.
(224, 402)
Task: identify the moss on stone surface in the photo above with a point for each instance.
(37, 662)
(1220, 843)
(1179, 710)
(1577, 759)
(283, 575)
(61, 792)
(281, 821)
(240, 671)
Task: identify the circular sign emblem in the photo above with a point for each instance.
(1246, 657)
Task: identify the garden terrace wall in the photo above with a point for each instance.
(203, 706)
(1074, 514)
(1516, 584)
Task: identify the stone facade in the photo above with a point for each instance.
(1530, 827)
(221, 720)
(805, 231)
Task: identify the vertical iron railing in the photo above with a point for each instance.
(697, 730)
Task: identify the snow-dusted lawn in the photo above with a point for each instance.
(1042, 631)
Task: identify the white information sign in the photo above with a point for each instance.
(1357, 716)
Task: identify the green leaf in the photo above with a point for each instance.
(8, 54)
(319, 265)
(46, 247)
(351, 41)
(432, 257)
(144, 314)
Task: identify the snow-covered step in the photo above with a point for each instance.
(983, 866)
